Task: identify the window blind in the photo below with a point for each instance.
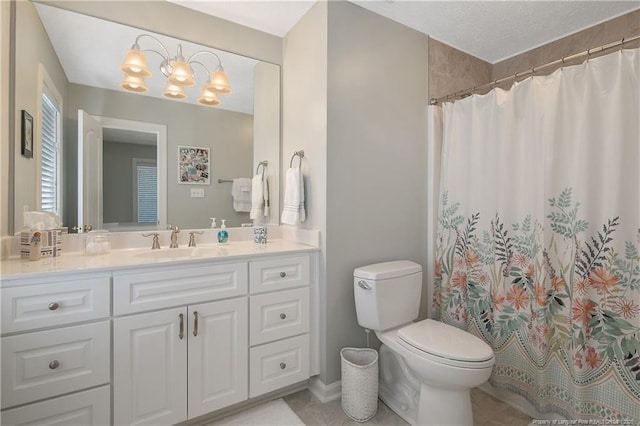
(147, 193)
(49, 166)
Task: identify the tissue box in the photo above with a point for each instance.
(50, 243)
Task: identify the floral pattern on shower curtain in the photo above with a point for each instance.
(538, 245)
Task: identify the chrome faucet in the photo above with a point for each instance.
(156, 243)
(174, 236)
(192, 238)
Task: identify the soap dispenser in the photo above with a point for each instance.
(223, 235)
(213, 222)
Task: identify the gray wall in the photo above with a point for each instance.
(117, 173)
(304, 123)
(6, 165)
(376, 158)
(32, 48)
(365, 154)
(228, 134)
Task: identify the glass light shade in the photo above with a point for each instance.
(208, 98)
(133, 84)
(181, 74)
(172, 91)
(219, 83)
(135, 64)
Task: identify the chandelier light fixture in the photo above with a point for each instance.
(177, 70)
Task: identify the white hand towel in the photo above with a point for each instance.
(257, 197)
(265, 193)
(293, 212)
(241, 193)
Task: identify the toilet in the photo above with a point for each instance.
(427, 368)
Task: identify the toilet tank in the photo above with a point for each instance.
(387, 294)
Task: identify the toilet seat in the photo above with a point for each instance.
(446, 344)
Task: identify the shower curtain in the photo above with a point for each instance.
(538, 243)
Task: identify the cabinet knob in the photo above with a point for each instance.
(54, 364)
(283, 316)
(283, 365)
(53, 306)
(283, 274)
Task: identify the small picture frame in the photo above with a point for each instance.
(193, 165)
(27, 134)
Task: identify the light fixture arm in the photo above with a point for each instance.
(202, 65)
(136, 45)
(210, 53)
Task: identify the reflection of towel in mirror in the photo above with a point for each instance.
(293, 212)
(259, 197)
(241, 193)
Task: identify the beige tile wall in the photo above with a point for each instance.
(452, 70)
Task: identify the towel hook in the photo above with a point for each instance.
(299, 154)
(263, 164)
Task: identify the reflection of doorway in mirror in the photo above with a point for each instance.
(133, 174)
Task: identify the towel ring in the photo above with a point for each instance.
(263, 164)
(299, 154)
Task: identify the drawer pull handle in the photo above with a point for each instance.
(53, 306)
(283, 365)
(54, 364)
(195, 323)
(181, 334)
(283, 316)
(283, 274)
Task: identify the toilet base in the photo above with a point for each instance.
(444, 407)
(418, 403)
(398, 389)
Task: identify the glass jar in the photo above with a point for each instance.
(97, 242)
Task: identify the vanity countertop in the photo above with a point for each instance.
(128, 258)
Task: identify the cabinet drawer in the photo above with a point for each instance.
(278, 364)
(162, 289)
(280, 273)
(278, 315)
(44, 305)
(88, 408)
(53, 362)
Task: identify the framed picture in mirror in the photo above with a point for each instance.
(194, 165)
(27, 134)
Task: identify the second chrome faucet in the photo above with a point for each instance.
(174, 236)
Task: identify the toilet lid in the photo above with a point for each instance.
(445, 341)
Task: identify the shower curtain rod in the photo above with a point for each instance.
(494, 83)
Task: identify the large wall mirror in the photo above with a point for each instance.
(121, 164)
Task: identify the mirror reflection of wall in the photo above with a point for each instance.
(231, 134)
(130, 199)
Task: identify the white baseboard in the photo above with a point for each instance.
(325, 393)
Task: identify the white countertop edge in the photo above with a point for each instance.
(126, 259)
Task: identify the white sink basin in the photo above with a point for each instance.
(178, 253)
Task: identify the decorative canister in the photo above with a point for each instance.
(260, 235)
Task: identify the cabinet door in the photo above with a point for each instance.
(218, 355)
(149, 380)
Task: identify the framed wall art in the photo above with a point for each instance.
(194, 165)
(27, 134)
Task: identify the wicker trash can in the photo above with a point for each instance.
(359, 383)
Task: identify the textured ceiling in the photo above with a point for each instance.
(489, 30)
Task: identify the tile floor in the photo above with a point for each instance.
(487, 411)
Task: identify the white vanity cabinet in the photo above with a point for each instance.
(155, 344)
(179, 363)
(279, 315)
(56, 350)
